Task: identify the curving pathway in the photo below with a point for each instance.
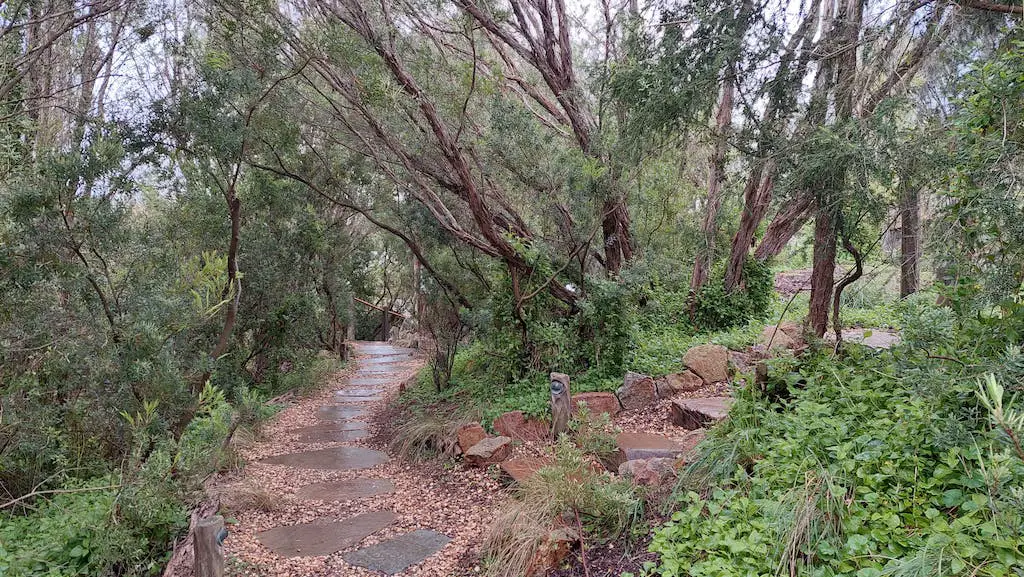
(328, 502)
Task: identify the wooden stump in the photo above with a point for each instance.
(561, 404)
(209, 560)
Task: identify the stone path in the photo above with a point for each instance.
(335, 503)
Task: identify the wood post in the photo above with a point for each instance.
(208, 535)
(561, 404)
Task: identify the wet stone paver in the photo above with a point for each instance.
(335, 459)
(345, 490)
(331, 428)
(396, 554)
(357, 398)
(334, 436)
(323, 537)
(340, 412)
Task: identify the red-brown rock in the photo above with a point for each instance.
(552, 552)
(515, 425)
(489, 451)
(709, 362)
(698, 413)
(653, 472)
(470, 435)
(522, 468)
(637, 391)
(597, 403)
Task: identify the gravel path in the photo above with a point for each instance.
(433, 511)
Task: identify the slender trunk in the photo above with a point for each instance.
(848, 280)
(910, 239)
(823, 271)
(716, 176)
(788, 221)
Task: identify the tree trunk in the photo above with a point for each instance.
(757, 196)
(618, 245)
(788, 221)
(716, 176)
(823, 272)
(910, 224)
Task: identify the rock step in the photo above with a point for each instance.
(330, 428)
(345, 490)
(378, 369)
(360, 391)
(634, 446)
(395, 555)
(368, 381)
(335, 459)
(699, 413)
(323, 537)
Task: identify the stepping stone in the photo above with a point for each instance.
(334, 436)
(369, 381)
(335, 459)
(345, 490)
(360, 392)
(394, 555)
(384, 360)
(697, 413)
(330, 428)
(378, 369)
(356, 398)
(323, 537)
(339, 413)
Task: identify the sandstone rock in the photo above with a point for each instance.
(469, 435)
(553, 551)
(794, 330)
(698, 413)
(776, 338)
(709, 362)
(522, 468)
(489, 451)
(637, 391)
(597, 403)
(650, 472)
(683, 382)
(514, 424)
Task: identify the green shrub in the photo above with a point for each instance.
(877, 465)
(714, 308)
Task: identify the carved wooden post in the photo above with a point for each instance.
(561, 404)
(208, 538)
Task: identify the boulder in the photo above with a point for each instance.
(709, 362)
(597, 403)
(650, 472)
(552, 552)
(489, 451)
(698, 413)
(637, 391)
(683, 382)
(522, 468)
(774, 338)
(794, 330)
(514, 424)
(469, 435)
